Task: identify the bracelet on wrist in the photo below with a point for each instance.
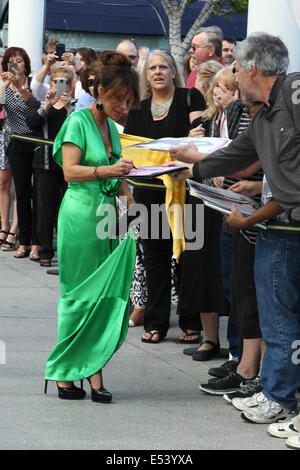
(95, 173)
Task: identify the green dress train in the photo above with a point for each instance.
(95, 270)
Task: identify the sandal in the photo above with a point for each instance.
(207, 354)
(189, 338)
(20, 253)
(9, 246)
(45, 263)
(34, 256)
(150, 340)
(2, 240)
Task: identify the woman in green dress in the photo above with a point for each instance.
(95, 269)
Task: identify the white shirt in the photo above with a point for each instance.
(40, 90)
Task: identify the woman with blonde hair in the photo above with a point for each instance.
(222, 90)
(167, 110)
(203, 294)
(219, 88)
(205, 73)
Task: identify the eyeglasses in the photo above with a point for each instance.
(132, 57)
(197, 47)
(90, 82)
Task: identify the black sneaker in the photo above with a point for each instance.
(247, 389)
(229, 384)
(224, 369)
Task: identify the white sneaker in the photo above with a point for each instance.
(293, 442)
(243, 404)
(283, 430)
(267, 412)
(296, 422)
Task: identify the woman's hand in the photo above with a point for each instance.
(65, 98)
(187, 153)
(50, 60)
(198, 131)
(248, 188)
(121, 167)
(72, 60)
(236, 219)
(7, 78)
(223, 95)
(68, 57)
(50, 99)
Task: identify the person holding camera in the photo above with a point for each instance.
(55, 57)
(80, 60)
(19, 100)
(50, 183)
(40, 82)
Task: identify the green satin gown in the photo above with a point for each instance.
(95, 271)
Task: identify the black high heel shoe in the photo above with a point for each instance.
(69, 393)
(100, 395)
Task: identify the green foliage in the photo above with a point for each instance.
(239, 6)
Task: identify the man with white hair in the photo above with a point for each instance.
(206, 45)
(272, 137)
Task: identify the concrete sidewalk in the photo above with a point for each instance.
(156, 404)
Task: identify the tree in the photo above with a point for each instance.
(175, 9)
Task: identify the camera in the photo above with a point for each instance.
(60, 49)
(61, 86)
(13, 68)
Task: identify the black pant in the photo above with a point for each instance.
(243, 290)
(201, 287)
(157, 262)
(50, 188)
(20, 159)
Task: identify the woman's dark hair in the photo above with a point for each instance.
(87, 54)
(91, 69)
(116, 72)
(13, 51)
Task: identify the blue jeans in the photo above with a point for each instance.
(277, 278)
(233, 336)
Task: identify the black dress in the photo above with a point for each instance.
(158, 252)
